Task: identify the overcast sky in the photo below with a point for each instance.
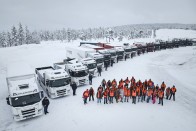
(77, 14)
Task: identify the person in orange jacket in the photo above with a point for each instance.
(132, 80)
(150, 83)
(173, 91)
(145, 84)
(117, 94)
(134, 96)
(149, 94)
(161, 95)
(163, 86)
(126, 94)
(99, 96)
(105, 95)
(85, 96)
(138, 92)
(144, 94)
(114, 83)
(157, 87)
(111, 94)
(168, 92)
(154, 96)
(127, 81)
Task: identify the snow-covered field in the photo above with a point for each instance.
(173, 66)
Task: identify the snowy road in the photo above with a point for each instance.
(174, 67)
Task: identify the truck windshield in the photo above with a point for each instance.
(59, 82)
(107, 57)
(113, 54)
(120, 52)
(25, 100)
(79, 73)
(92, 66)
(134, 49)
(99, 60)
(127, 50)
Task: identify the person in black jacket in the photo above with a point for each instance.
(112, 61)
(90, 78)
(74, 87)
(99, 71)
(106, 66)
(91, 94)
(45, 103)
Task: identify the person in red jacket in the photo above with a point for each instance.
(126, 81)
(161, 95)
(173, 91)
(168, 92)
(105, 95)
(111, 94)
(134, 96)
(85, 96)
(163, 86)
(149, 94)
(127, 93)
(144, 94)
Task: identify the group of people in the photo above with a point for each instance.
(128, 89)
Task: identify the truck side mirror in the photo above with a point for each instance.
(47, 82)
(42, 94)
(7, 99)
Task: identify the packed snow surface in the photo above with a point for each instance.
(173, 66)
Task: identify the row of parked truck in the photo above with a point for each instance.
(24, 95)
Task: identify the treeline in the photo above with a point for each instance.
(22, 35)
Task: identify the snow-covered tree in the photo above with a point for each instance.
(14, 36)
(35, 38)
(3, 42)
(68, 35)
(27, 36)
(21, 37)
(9, 39)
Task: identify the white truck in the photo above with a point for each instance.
(100, 50)
(55, 82)
(25, 98)
(99, 58)
(82, 54)
(77, 71)
(113, 54)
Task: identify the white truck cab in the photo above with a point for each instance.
(90, 64)
(99, 58)
(56, 82)
(25, 98)
(82, 54)
(77, 71)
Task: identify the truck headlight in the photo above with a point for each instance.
(40, 110)
(17, 116)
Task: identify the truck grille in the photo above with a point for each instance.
(61, 92)
(82, 81)
(28, 113)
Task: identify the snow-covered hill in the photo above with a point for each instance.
(173, 66)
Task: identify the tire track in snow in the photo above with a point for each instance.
(184, 96)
